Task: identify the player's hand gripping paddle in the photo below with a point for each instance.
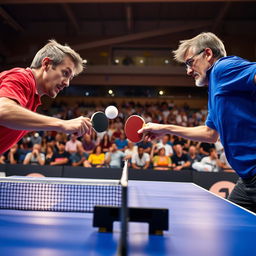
(99, 121)
(131, 127)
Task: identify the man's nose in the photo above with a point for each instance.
(189, 71)
(66, 82)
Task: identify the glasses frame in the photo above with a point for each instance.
(189, 62)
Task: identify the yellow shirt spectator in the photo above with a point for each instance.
(161, 161)
(97, 158)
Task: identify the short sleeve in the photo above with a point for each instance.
(235, 74)
(209, 122)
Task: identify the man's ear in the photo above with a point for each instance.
(209, 54)
(46, 62)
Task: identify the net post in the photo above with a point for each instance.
(123, 215)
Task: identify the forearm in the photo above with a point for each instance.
(60, 162)
(11, 158)
(198, 133)
(41, 161)
(13, 116)
(146, 165)
(27, 159)
(186, 165)
(76, 163)
(134, 166)
(108, 158)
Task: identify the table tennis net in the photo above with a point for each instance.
(56, 194)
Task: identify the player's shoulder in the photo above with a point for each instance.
(17, 73)
(230, 62)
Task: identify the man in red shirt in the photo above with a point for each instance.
(21, 89)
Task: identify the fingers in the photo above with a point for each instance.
(78, 126)
(85, 126)
(150, 136)
(146, 128)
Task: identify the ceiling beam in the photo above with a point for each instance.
(4, 51)
(133, 80)
(109, 1)
(101, 19)
(129, 18)
(221, 16)
(126, 38)
(142, 35)
(71, 17)
(10, 20)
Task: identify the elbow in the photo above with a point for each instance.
(3, 112)
(6, 106)
(213, 135)
(212, 140)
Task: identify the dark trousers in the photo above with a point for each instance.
(244, 193)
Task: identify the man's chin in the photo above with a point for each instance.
(53, 95)
(200, 83)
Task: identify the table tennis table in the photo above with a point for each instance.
(200, 224)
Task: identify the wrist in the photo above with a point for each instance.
(58, 125)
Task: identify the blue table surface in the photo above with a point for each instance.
(200, 224)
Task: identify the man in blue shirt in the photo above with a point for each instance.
(114, 157)
(231, 109)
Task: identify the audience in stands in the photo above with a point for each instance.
(209, 163)
(112, 147)
(97, 158)
(224, 164)
(179, 159)
(147, 145)
(79, 158)
(193, 156)
(88, 144)
(121, 142)
(204, 148)
(160, 160)
(71, 145)
(35, 138)
(36, 157)
(130, 151)
(2, 159)
(105, 143)
(49, 151)
(13, 155)
(114, 157)
(61, 157)
(165, 143)
(140, 159)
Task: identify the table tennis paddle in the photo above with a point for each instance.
(99, 121)
(131, 127)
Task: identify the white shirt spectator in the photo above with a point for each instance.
(168, 148)
(140, 161)
(115, 158)
(72, 144)
(224, 160)
(130, 152)
(206, 165)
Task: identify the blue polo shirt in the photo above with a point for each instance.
(232, 111)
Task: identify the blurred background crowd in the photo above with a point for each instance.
(109, 149)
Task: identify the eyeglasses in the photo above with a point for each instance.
(190, 61)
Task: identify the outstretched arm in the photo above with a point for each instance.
(198, 133)
(14, 116)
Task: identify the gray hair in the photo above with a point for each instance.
(57, 52)
(198, 43)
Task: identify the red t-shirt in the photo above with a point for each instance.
(18, 84)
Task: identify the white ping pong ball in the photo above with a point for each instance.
(111, 112)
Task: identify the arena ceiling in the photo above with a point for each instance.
(99, 26)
